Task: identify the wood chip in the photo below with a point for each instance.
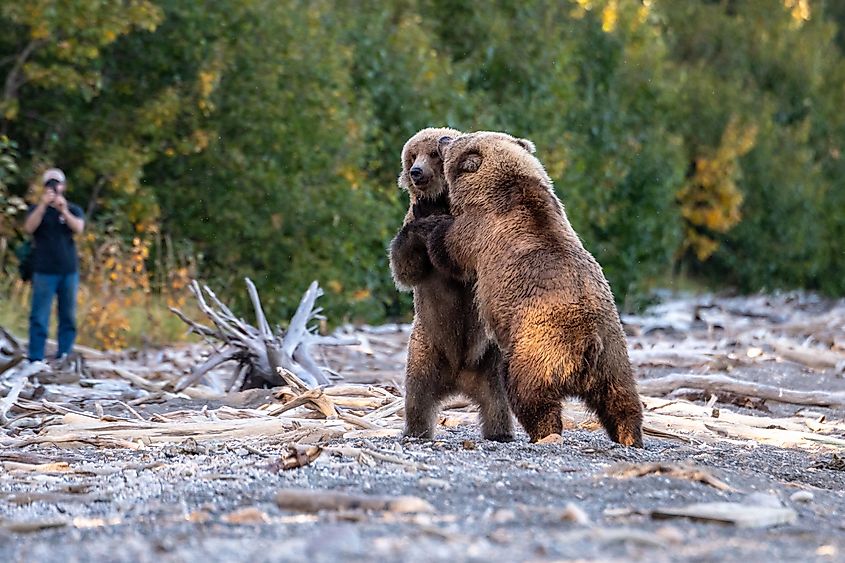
(691, 473)
(54, 467)
(309, 500)
(551, 439)
(83, 522)
(296, 456)
(34, 525)
(801, 496)
(741, 515)
(55, 498)
(198, 517)
(248, 515)
(574, 513)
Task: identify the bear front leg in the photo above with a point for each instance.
(409, 261)
(441, 252)
(485, 387)
(426, 384)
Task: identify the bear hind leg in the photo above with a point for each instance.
(539, 418)
(485, 387)
(618, 407)
(496, 421)
(427, 382)
(535, 405)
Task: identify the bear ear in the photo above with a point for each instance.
(471, 163)
(442, 143)
(527, 145)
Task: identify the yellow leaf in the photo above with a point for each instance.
(609, 16)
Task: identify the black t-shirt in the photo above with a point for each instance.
(53, 249)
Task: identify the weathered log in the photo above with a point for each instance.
(264, 356)
(716, 383)
(11, 352)
(9, 400)
(738, 514)
(810, 357)
(212, 362)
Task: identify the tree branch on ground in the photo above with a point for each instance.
(264, 356)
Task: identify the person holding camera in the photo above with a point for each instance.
(52, 223)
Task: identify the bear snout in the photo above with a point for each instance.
(418, 175)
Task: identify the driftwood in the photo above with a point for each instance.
(308, 500)
(716, 383)
(306, 416)
(103, 408)
(682, 420)
(627, 470)
(741, 515)
(9, 400)
(811, 357)
(11, 352)
(262, 356)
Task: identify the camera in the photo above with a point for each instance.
(51, 184)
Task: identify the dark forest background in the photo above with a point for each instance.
(695, 140)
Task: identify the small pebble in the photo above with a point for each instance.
(503, 516)
(574, 513)
(764, 499)
(432, 483)
(754, 352)
(671, 534)
(501, 536)
(801, 496)
(551, 439)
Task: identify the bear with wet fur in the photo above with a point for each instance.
(540, 293)
(448, 351)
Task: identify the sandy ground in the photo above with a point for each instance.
(502, 501)
(215, 501)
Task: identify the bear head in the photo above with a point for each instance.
(492, 171)
(422, 165)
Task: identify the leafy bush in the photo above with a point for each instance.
(265, 136)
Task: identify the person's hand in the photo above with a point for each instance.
(60, 203)
(48, 197)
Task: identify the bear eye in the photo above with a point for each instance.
(471, 162)
(434, 155)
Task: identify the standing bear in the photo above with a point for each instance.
(448, 351)
(540, 293)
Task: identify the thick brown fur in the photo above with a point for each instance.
(539, 291)
(448, 352)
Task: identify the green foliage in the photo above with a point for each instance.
(265, 135)
(10, 206)
(784, 75)
(587, 98)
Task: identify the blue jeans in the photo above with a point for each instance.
(44, 287)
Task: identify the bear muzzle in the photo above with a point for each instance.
(419, 176)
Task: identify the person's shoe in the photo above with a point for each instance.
(29, 367)
(58, 362)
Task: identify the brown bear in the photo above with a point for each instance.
(541, 294)
(448, 351)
